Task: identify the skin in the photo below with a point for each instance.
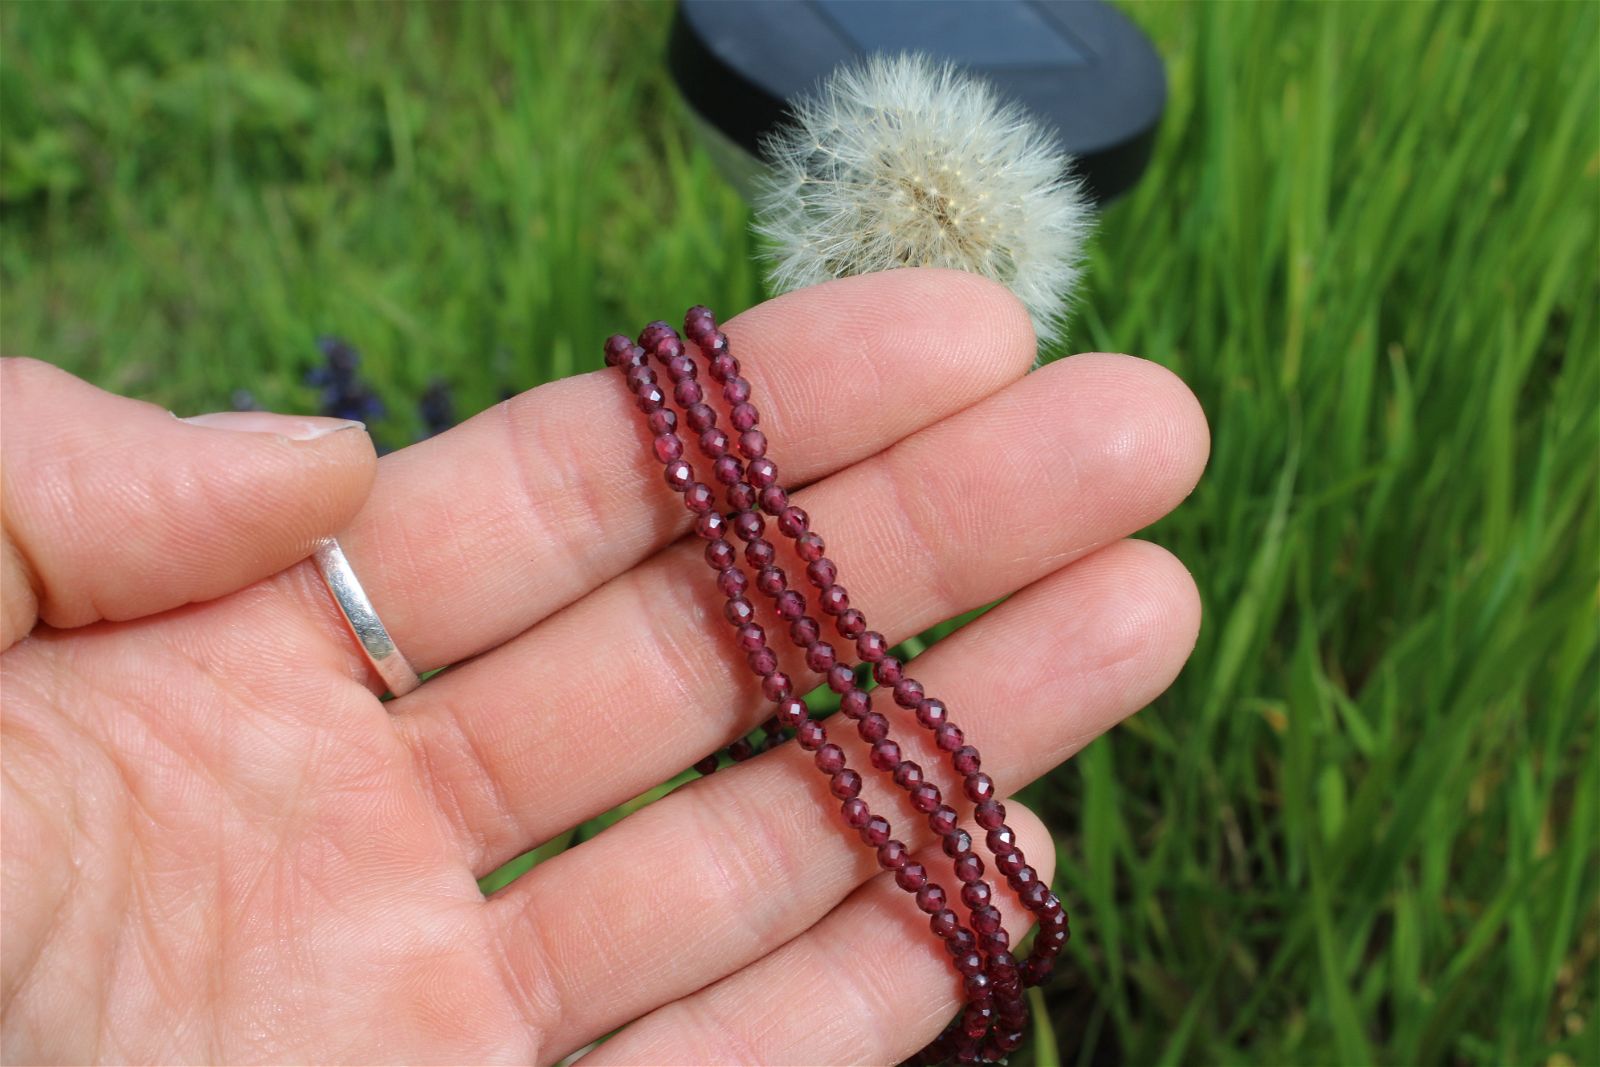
(219, 845)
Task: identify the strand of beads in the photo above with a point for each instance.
(991, 978)
(1002, 971)
(720, 554)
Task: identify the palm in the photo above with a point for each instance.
(227, 848)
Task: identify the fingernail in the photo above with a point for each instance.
(294, 427)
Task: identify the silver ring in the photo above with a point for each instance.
(364, 623)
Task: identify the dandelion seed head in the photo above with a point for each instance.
(904, 161)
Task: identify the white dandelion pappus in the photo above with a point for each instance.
(903, 161)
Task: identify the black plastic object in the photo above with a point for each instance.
(1080, 66)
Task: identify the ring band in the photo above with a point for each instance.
(357, 609)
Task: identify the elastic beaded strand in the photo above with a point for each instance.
(1007, 977)
(874, 829)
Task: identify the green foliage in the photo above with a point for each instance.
(1362, 825)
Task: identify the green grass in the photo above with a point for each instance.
(1362, 826)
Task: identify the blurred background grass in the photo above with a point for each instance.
(1362, 826)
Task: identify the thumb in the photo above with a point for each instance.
(111, 508)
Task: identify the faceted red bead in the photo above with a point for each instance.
(975, 894)
(994, 944)
(871, 645)
(948, 737)
(1032, 895)
(743, 416)
(873, 727)
(841, 679)
(943, 922)
(776, 686)
(719, 553)
(908, 692)
(978, 985)
(855, 704)
(1024, 880)
(986, 920)
(887, 671)
(963, 940)
(679, 475)
(851, 623)
(885, 755)
(617, 347)
(763, 661)
(762, 472)
(793, 521)
(731, 582)
(930, 898)
(892, 855)
(774, 500)
(1036, 969)
(687, 393)
(809, 546)
(989, 814)
(846, 784)
(1050, 942)
(805, 631)
(979, 787)
(707, 765)
(748, 525)
(925, 797)
(771, 581)
(876, 832)
(750, 636)
(741, 750)
(639, 377)
(663, 421)
(736, 391)
(941, 820)
(739, 610)
(811, 735)
(753, 443)
(682, 368)
(699, 498)
(834, 600)
(790, 604)
(975, 1019)
(830, 758)
(1001, 838)
(932, 713)
(759, 553)
(742, 496)
(792, 711)
(714, 443)
(1009, 863)
(965, 759)
(969, 963)
(911, 877)
(957, 844)
(700, 417)
(712, 526)
(969, 868)
(908, 774)
(820, 657)
(727, 470)
(855, 812)
(724, 367)
(650, 398)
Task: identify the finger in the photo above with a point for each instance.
(867, 984)
(113, 509)
(1081, 453)
(471, 537)
(730, 867)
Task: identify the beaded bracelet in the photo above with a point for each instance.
(992, 1021)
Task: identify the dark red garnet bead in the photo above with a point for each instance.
(887, 671)
(885, 755)
(720, 554)
(957, 844)
(846, 784)
(892, 855)
(911, 877)
(965, 759)
(810, 735)
(821, 658)
(989, 814)
(979, 787)
(932, 713)
(873, 727)
(663, 421)
(876, 832)
(855, 812)
(870, 646)
(774, 499)
(851, 624)
(810, 547)
(930, 898)
(805, 631)
(841, 679)
(908, 774)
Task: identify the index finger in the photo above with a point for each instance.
(471, 537)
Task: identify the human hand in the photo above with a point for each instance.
(221, 846)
